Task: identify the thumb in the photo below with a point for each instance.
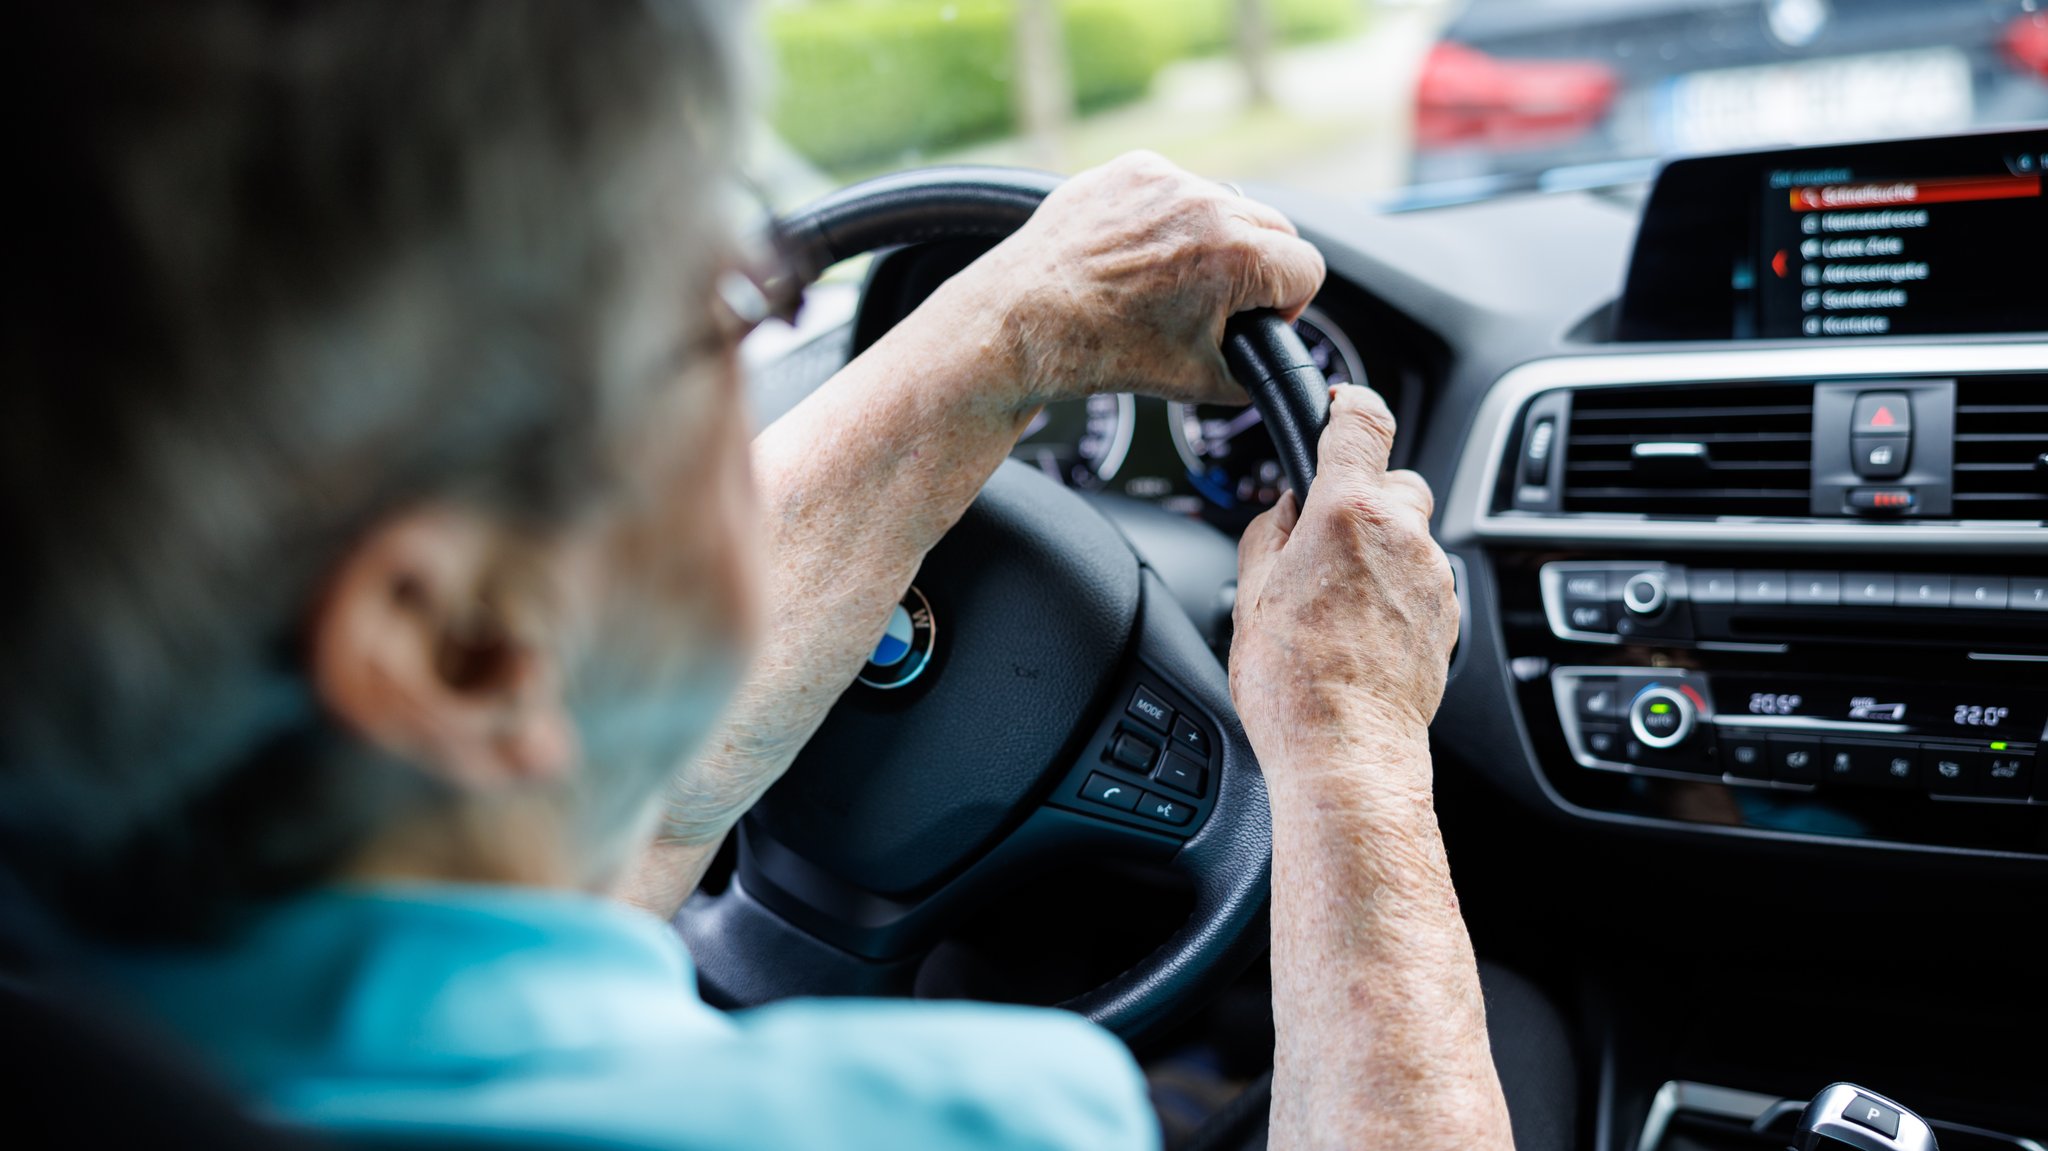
(1355, 444)
(1261, 546)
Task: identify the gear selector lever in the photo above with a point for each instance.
(1845, 1115)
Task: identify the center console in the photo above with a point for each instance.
(1790, 577)
(1763, 640)
(1718, 610)
(1757, 724)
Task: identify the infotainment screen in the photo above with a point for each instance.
(1913, 237)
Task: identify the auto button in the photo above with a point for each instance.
(1661, 717)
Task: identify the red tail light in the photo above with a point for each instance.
(1466, 96)
(2026, 42)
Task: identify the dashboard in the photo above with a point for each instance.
(1771, 429)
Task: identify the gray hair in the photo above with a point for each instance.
(294, 266)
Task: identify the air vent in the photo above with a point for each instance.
(1691, 450)
(2002, 448)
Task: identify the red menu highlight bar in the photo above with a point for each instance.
(1893, 193)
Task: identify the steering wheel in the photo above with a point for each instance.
(1040, 699)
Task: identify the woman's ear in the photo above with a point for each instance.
(433, 641)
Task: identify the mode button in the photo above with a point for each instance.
(1150, 709)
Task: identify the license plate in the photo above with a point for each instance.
(1847, 97)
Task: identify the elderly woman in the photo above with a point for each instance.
(391, 562)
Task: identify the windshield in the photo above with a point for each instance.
(1380, 100)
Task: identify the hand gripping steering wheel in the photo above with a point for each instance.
(1041, 700)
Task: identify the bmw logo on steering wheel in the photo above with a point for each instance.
(905, 647)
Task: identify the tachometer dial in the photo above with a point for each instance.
(1080, 443)
(1229, 454)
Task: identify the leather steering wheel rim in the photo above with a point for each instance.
(775, 904)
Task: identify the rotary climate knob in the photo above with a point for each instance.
(1661, 717)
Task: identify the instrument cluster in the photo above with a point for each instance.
(1214, 462)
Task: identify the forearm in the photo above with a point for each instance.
(1376, 999)
(855, 485)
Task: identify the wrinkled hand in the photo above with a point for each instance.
(1345, 612)
(1124, 277)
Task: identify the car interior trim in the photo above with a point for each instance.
(1469, 513)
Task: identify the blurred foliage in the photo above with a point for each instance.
(866, 83)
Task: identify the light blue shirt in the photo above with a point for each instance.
(563, 1017)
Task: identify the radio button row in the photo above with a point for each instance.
(1818, 588)
(1923, 591)
(1711, 585)
(1979, 592)
(1867, 589)
(1760, 587)
(1630, 601)
(2029, 595)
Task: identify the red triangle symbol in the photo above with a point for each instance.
(1883, 418)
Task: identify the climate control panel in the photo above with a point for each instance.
(1947, 742)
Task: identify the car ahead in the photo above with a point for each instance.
(1515, 88)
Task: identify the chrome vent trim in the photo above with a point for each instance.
(1469, 516)
(1691, 449)
(2001, 469)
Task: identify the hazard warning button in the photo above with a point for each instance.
(1884, 412)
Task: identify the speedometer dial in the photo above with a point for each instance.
(1080, 443)
(1228, 452)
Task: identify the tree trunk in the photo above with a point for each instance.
(1043, 92)
(1255, 49)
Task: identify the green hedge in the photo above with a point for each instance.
(862, 83)
(1209, 26)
